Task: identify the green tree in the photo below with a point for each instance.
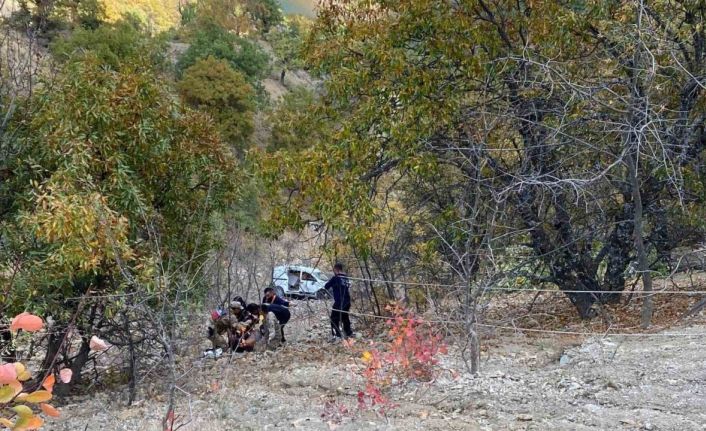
(242, 54)
(500, 127)
(156, 15)
(291, 120)
(212, 86)
(228, 15)
(266, 13)
(105, 167)
(50, 16)
(113, 45)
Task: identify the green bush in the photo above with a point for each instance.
(103, 157)
(293, 124)
(50, 18)
(266, 13)
(112, 45)
(241, 54)
(213, 86)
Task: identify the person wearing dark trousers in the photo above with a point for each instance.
(281, 307)
(339, 286)
(281, 313)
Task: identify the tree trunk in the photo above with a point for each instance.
(77, 364)
(643, 265)
(638, 122)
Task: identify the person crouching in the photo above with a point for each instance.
(266, 334)
(218, 333)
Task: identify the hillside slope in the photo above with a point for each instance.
(526, 383)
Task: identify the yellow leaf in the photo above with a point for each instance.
(367, 356)
(23, 411)
(37, 397)
(8, 392)
(22, 374)
(6, 423)
(21, 423)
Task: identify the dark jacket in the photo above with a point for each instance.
(281, 313)
(339, 285)
(276, 300)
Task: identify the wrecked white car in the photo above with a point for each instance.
(299, 282)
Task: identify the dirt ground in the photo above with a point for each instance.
(556, 382)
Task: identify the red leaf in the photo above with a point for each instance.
(8, 373)
(97, 345)
(27, 322)
(65, 375)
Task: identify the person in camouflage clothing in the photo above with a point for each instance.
(266, 334)
(229, 328)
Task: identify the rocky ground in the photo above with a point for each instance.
(654, 382)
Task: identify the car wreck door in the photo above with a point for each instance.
(309, 283)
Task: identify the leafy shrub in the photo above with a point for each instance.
(266, 13)
(410, 354)
(24, 407)
(287, 40)
(156, 14)
(103, 162)
(241, 54)
(50, 17)
(293, 124)
(112, 45)
(214, 87)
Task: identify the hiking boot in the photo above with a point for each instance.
(334, 340)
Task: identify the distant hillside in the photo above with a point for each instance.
(161, 14)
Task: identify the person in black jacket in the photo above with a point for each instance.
(272, 298)
(280, 307)
(339, 287)
(281, 313)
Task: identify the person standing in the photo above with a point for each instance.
(339, 286)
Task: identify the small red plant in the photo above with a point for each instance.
(334, 412)
(410, 354)
(20, 410)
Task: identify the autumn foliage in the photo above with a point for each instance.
(20, 410)
(411, 353)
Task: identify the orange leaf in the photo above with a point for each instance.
(97, 345)
(49, 383)
(65, 375)
(37, 397)
(49, 410)
(8, 373)
(27, 322)
(34, 423)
